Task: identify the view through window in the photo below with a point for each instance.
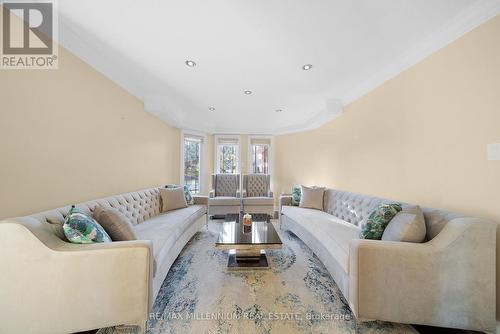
(192, 163)
(227, 155)
(260, 159)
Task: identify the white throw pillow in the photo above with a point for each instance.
(172, 198)
(408, 225)
(312, 198)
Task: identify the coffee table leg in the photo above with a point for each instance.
(247, 259)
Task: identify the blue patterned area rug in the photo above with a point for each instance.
(297, 295)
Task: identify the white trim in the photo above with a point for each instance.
(216, 151)
(249, 152)
(466, 21)
(203, 158)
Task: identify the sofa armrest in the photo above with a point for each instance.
(211, 194)
(448, 281)
(200, 200)
(97, 282)
(285, 200)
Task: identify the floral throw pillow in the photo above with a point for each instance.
(80, 228)
(296, 193)
(187, 192)
(378, 220)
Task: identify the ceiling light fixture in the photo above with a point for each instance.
(190, 63)
(211, 109)
(307, 67)
(279, 110)
(248, 92)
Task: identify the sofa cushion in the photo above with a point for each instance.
(408, 225)
(178, 220)
(162, 236)
(312, 198)
(333, 233)
(165, 229)
(223, 200)
(80, 228)
(115, 223)
(172, 199)
(378, 220)
(258, 201)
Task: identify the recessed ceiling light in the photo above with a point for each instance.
(190, 63)
(248, 92)
(307, 67)
(279, 110)
(211, 109)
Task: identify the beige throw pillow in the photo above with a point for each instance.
(115, 223)
(57, 227)
(408, 225)
(172, 198)
(312, 198)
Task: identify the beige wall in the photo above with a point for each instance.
(421, 137)
(71, 135)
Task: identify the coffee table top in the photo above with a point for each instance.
(261, 233)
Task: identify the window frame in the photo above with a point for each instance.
(217, 139)
(250, 150)
(203, 143)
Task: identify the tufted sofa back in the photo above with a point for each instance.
(256, 185)
(355, 209)
(226, 185)
(351, 207)
(138, 206)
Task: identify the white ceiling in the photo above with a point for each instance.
(259, 45)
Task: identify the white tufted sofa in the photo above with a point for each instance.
(447, 281)
(48, 285)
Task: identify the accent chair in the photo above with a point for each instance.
(225, 195)
(257, 195)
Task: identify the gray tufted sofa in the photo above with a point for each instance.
(62, 287)
(257, 196)
(447, 281)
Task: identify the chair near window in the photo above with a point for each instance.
(225, 195)
(257, 194)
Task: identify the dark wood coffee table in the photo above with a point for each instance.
(247, 244)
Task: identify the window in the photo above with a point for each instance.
(191, 166)
(260, 159)
(260, 151)
(227, 155)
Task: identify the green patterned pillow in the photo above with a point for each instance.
(187, 192)
(80, 228)
(296, 193)
(378, 220)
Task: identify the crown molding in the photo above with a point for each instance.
(463, 23)
(111, 65)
